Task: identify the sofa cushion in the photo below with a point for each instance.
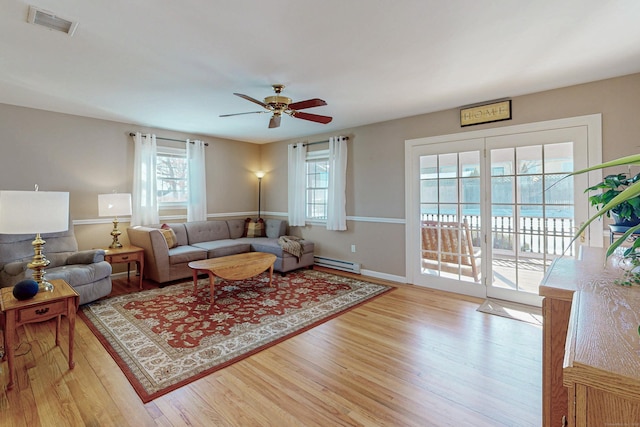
(57, 259)
(206, 231)
(275, 227)
(77, 274)
(186, 253)
(271, 246)
(14, 247)
(86, 257)
(236, 228)
(16, 267)
(218, 248)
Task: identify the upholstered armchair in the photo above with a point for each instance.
(86, 271)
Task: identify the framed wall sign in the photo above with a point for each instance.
(486, 113)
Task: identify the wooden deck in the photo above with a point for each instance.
(525, 278)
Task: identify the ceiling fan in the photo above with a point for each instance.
(279, 105)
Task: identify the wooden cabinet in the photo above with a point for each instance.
(554, 333)
(591, 346)
(602, 356)
(557, 289)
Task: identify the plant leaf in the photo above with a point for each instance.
(634, 159)
(628, 193)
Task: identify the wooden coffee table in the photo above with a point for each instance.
(233, 267)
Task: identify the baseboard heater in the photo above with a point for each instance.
(352, 267)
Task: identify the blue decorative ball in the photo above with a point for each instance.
(25, 289)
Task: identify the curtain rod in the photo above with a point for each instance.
(170, 139)
(317, 142)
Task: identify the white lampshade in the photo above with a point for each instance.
(30, 212)
(114, 204)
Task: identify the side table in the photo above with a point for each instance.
(126, 254)
(62, 301)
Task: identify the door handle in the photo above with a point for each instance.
(583, 236)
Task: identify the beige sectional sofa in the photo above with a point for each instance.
(208, 239)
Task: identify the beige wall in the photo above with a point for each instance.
(375, 186)
(87, 157)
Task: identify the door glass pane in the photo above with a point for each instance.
(502, 161)
(558, 158)
(530, 189)
(532, 212)
(529, 160)
(450, 215)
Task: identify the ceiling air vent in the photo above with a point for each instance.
(50, 21)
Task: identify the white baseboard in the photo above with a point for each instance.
(383, 276)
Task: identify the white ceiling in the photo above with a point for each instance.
(175, 64)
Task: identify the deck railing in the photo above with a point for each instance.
(534, 236)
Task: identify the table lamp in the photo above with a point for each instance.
(35, 212)
(114, 204)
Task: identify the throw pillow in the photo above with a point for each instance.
(254, 229)
(170, 237)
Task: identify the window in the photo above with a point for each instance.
(171, 176)
(317, 193)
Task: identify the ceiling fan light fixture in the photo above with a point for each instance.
(277, 100)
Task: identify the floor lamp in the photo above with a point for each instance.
(35, 212)
(260, 175)
(114, 204)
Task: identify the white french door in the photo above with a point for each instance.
(532, 207)
(487, 215)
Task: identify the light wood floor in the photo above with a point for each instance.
(413, 357)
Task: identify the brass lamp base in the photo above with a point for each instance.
(115, 233)
(38, 264)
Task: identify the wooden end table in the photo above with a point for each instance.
(233, 267)
(126, 254)
(62, 301)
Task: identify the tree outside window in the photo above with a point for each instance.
(317, 192)
(172, 177)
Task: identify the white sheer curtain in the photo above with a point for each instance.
(336, 202)
(145, 201)
(297, 184)
(197, 203)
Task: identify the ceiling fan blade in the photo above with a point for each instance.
(309, 103)
(275, 121)
(239, 114)
(248, 98)
(312, 117)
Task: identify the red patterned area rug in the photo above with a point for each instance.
(165, 338)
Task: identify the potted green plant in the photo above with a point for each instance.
(622, 200)
(627, 213)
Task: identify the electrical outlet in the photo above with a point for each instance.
(353, 248)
